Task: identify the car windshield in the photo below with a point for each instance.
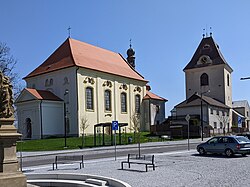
(242, 139)
(212, 141)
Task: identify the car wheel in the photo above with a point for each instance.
(201, 151)
(229, 152)
(244, 154)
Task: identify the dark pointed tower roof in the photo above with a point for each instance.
(207, 53)
(131, 56)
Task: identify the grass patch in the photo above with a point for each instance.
(52, 144)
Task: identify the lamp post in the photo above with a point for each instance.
(65, 120)
(202, 128)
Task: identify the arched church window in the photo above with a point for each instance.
(51, 82)
(137, 103)
(107, 95)
(123, 102)
(47, 82)
(204, 80)
(89, 99)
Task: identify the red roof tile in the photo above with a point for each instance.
(150, 95)
(76, 53)
(43, 94)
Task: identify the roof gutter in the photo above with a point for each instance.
(41, 119)
(77, 98)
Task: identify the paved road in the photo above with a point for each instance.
(173, 169)
(42, 158)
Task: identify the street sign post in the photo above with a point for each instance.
(114, 125)
(187, 119)
(239, 122)
(115, 128)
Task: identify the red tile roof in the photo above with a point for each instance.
(76, 53)
(150, 95)
(43, 94)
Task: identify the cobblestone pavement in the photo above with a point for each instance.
(185, 168)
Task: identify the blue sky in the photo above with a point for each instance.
(164, 33)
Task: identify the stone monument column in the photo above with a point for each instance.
(10, 176)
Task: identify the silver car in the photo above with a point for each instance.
(229, 145)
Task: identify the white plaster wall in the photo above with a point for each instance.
(217, 83)
(30, 109)
(150, 116)
(52, 118)
(196, 110)
(160, 116)
(58, 88)
(214, 117)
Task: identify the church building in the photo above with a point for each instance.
(84, 85)
(208, 93)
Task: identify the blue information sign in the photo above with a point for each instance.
(239, 122)
(114, 125)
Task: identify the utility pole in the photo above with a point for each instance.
(202, 128)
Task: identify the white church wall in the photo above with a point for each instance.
(64, 79)
(29, 110)
(52, 118)
(217, 82)
(157, 112)
(153, 113)
(188, 110)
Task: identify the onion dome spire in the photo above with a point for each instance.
(131, 57)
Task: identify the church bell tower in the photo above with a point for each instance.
(209, 73)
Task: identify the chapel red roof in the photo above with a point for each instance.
(43, 94)
(150, 95)
(76, 53)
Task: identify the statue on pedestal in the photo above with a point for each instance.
(6, 97)
(9, 168)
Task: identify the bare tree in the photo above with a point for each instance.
(84, 125)
(224, 119)
(7, 66)
(136, 125)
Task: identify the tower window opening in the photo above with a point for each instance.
(204, 80)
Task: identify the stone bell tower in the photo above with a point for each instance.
(208, 70)
(10, 176)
